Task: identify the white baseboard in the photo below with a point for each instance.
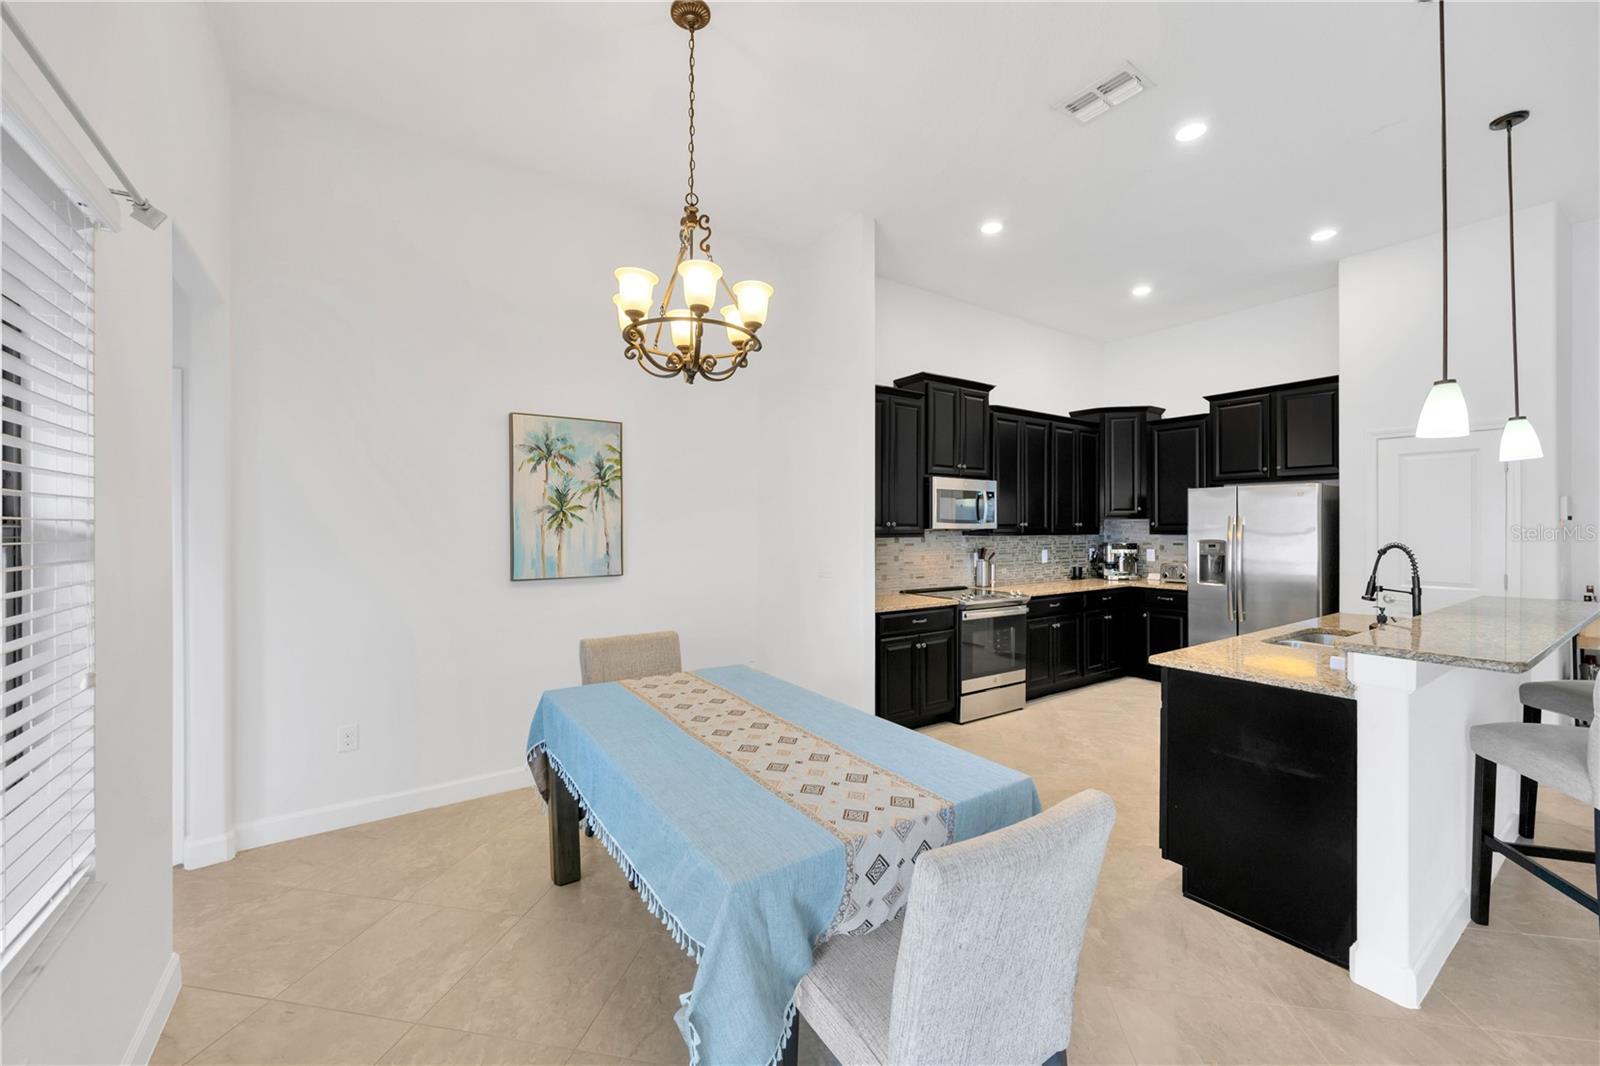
(358, 812)
(208, 851)
(143, 1044)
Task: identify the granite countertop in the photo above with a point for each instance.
(890, 600)
(1484, 633)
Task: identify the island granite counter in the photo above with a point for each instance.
(1316, 777)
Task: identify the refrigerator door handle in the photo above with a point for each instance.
(1227, 568)
(1239, 553)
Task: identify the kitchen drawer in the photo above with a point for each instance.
(1171, 599)
(916, 621)
(1109, 598)
(1041, 606)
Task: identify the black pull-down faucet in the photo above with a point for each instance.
(1373, 588)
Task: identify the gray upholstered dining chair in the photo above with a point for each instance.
(1575, 700)
(625, 658)
(982, 968)
(1557, 756)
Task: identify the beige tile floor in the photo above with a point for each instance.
(437, 938)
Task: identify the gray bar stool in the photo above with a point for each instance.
(1557, 756)
(1574, 699)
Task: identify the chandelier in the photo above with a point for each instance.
(699, 277)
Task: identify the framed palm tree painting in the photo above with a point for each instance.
(566, 497)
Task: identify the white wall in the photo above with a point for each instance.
(393, 302)
(1030, 366)
(816, 590)
(1389, 354)
(1580, 391)
(1176, 368)
(152, 81)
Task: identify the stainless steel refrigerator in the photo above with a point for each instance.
(1261, 556)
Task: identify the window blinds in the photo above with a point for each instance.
(47, 535)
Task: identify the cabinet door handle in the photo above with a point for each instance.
(1056, 625)
(1164, 599)
(1108, 618)
(918, 621)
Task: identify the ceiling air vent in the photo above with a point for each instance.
(1117, 88)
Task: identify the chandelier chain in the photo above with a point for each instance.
(691, 199)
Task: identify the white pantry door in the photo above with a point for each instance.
(1454, 503)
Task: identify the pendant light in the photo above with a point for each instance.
(1444, 412)
(697, 275)
(1519, 440)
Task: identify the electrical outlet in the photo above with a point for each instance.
(1044, 555)
(349, 738)
(1149, 555)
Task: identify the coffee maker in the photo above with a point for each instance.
(1122, 561)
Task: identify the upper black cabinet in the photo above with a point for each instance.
(900, 462)
(1241, 437)
(1286, 431)
(1307, 434)
(1177, 464)
(957, 423)
(1021, 468)
(1124, 468)
(1074, 477)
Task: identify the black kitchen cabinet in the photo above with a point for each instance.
(956, 417)
(917, 660)
(1306, 421)
(1288, 431)
(1163, 626)
(900, 463)
(1021, 467)
(1055, 643)
(1241, 437)
(1102, 650)
(1124, 466)
(1177, 464)
(1074, 478)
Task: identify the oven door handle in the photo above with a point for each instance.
(994, 612)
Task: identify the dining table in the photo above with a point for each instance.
(756, 819)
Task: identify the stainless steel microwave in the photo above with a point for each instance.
(961, 503)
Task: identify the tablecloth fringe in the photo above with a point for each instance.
(680, 936)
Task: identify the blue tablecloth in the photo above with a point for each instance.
(745, 881)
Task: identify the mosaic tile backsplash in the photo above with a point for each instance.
(944, 557)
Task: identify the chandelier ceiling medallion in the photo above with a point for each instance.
(699, 277)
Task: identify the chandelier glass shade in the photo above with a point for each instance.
(669, 340)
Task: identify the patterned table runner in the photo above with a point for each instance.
(884, 821)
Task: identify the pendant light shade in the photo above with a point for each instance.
(1444, 412)
(1519, 440)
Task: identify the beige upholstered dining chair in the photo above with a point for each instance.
(628, 657)
(982, 968)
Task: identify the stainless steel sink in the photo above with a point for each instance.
(1301, 638)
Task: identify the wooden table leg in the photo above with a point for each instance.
(566, 865)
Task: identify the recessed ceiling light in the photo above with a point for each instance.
(1190, 131)
(1327, 233)
(991, 227)
(1141, 290)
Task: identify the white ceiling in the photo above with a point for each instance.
(931, 118)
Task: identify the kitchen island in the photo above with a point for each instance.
(1316, 777)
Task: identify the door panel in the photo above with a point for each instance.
(903, 502)
(1008, 473)
(1447, 499)
(1210, 511)
(1088, 509)
(1240, 438)
(1277, 553)
(944, 428)
(1035, 486)
(1041, 656)
(938, 664)
(1069, 647)
(897, 672)
(974, 443)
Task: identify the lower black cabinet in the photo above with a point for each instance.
(1054, 653)
(1164, 629)
(1102, 648)
(916, 669)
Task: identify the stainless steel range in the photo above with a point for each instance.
(994, 649)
